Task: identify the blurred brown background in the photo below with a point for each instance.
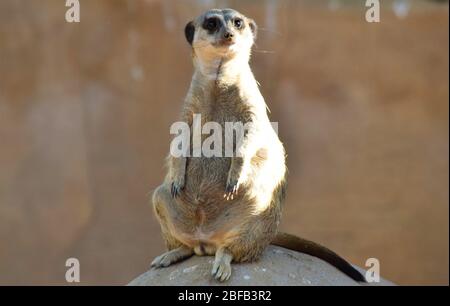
(85, 111)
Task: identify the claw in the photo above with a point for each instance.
(172, 190)
(175, 190)
(231, 190)
(221, 270)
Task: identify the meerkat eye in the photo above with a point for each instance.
(211, 24)
(238, 23)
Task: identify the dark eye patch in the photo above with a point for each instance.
(211, 24)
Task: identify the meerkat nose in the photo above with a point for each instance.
(228, 35)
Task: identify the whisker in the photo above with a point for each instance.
(271, 31)
(264, 51)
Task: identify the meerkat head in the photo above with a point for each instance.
(221, 33)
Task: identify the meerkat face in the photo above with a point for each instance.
(221, 33)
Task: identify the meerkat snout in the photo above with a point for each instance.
(228, 35)
(221, 31)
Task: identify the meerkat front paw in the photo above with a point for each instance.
(177, 186)
(232, 188)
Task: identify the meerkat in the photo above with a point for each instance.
(228, 207)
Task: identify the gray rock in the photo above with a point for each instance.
(277, 266)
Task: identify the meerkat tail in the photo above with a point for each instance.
(311, 248)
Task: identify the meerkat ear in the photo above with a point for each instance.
(253, 27)
(189, 32)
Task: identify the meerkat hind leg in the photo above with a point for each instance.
(172, 257)
(222, 265)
